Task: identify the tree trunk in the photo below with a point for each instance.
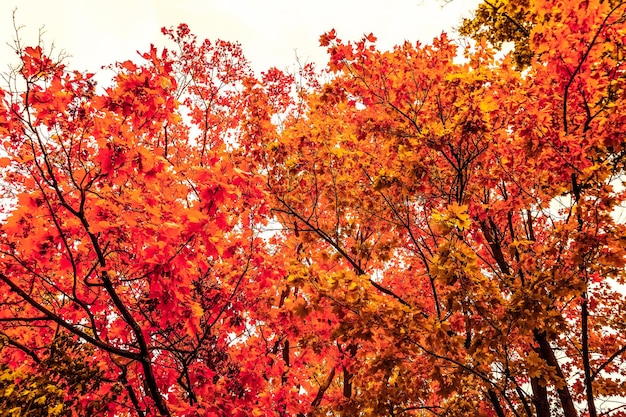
(540, 398)
(547, 354)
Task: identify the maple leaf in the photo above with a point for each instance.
(328, 37)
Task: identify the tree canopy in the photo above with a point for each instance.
(429, 230)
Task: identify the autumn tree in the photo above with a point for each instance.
(421, 231)
(132, 236)
(461, 224)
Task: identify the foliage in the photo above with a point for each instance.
(502, 21)
(512, 21)
(406, 233)
(64, 383)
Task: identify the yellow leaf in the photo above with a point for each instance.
(56, 410)
(535, 365)
(488, 105)
(197, 310)
(458, 216)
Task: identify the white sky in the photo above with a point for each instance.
(99, 32)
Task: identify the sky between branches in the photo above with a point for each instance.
(272, 32)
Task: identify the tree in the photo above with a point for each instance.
(129, 235)
(467, 220)
(407, 233)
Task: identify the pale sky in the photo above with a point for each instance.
(272, 32)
